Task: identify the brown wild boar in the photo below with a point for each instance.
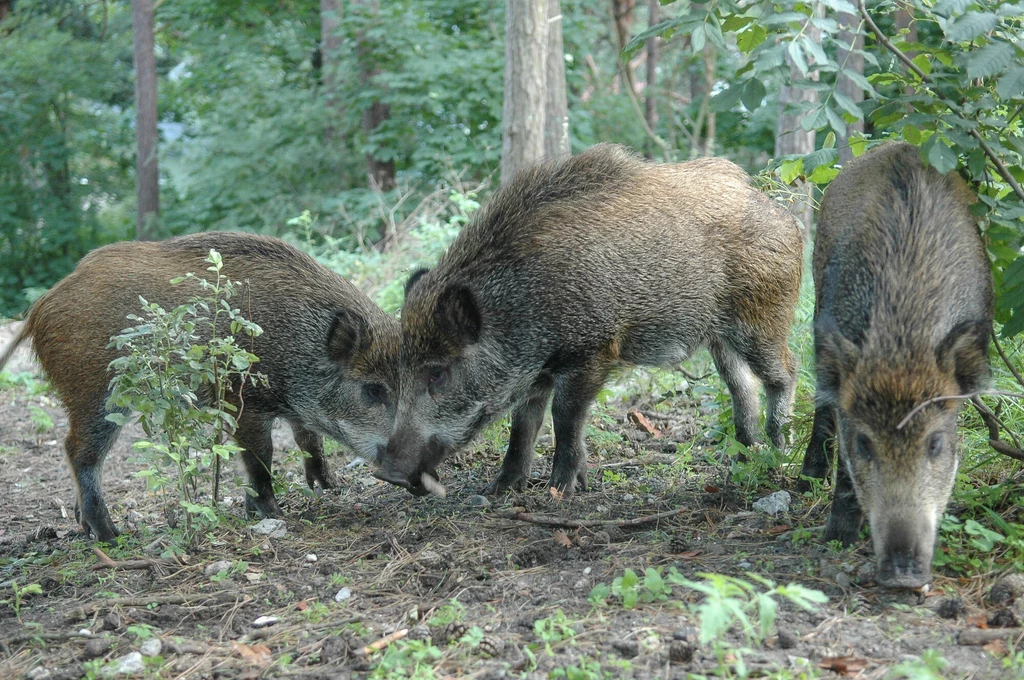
(329, 352)
(578, 266)
(903, 314)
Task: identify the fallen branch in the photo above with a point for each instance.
(84, 612)
(983, 636)
(548, 520)
(5, 644)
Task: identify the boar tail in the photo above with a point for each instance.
(24, 332)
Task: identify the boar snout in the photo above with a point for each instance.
(905, 559)
(401, 462)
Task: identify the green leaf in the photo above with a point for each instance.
(976, 163)
(970, 26)
(797, 55)
(840, 6)
(830, 141)
(815, 119)
(835, 120)
(819, 157)
(990, 60)
(638, 42)
(752, 94)
(735, 22)
(751, 38)
(938, 154)
(1011, 85)
(923, 63)
(848, 105)
(698, 38)
(726, 99)
(791, 170)
(950, 7)
(860, 81)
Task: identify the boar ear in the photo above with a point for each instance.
(413, 278)
(836, 357)
(349, 333)
(458, 314)
(964, 353)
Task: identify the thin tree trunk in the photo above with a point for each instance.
(709, 84)
(851, 60)
(622, 14)
(5, 8)
(790, 138)
(147, 175)
(650, 102)
(556, 106)
(381, 173)
(523, 109)
(330, 46)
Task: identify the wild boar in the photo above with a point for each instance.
(329, 352)
(903, 314)
(578, 266)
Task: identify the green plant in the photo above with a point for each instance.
(929, 667)
(19, 593)
(553, 629)
(413, 659)
(631, 590)
(168, 360)
(447, 613)
(40, 418)
(586, 669)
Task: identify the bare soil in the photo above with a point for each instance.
(404, 560)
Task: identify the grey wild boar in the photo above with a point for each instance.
(579, 266)
(903, 314)
(329, 352)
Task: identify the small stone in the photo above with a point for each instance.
(627, 648)
(843, 581)
(588, 570)
(217, 567)
(628, 498)
(773, 503)
(38, 673)
(133, 516)
(686, 634)
(430, 559)
(311, 558)
(129, 664)
(601, 509)
(787, 640)
(866, 573)
(680, 651)
(478, 502)
(274, 528)
(744, 564)
(85, 632)
(112, 621)
(151, 647)
(264, 621)
(96, 648)
(951, 608)
(343, 595)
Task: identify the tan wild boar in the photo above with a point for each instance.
(329, 352)
(903, 314)
(578, 266)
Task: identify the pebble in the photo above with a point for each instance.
(96, 648)
(38, 673)
(274, 528)
(773, 503)
(478, 502)
(787, 640)
(112, 621)
(264, 621)
(311, 558)
(628, 497)
(627, 648)
(129, 664)
(343, 595)
(866, 573)
(587, 570)
(744, 564)
(843, 581)
(601, 509)
(151, 647)
(217, 567)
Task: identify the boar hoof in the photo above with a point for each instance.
(317, 472)
(504, 483)
(843, 529)
(569, 483)
(263, 507)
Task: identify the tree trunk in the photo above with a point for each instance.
(147, 176)
(790, 138)
(709, 84)
(650, 101)
(5, 8)
(381, 173)
(556, 106)
(526, 45)
(622, 13)
(330, 46)
(849, 59)
(905, 19)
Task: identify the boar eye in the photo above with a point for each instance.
(863, 448)
(436, 379)
(935, 445)
(375, 393)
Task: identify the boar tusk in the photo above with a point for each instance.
(432, 485)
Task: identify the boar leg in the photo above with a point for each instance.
(316, 468)
(527, 419)
(573, 396)
(818, 459)
(86, 445)
(253, 435)
(845, 519)
(746, 405)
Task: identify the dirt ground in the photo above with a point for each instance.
(367, 560)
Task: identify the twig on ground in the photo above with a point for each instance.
(548, 520)
(384, 641)
(983, 636)
(5, 645)
(82, 613)
(105, 562)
